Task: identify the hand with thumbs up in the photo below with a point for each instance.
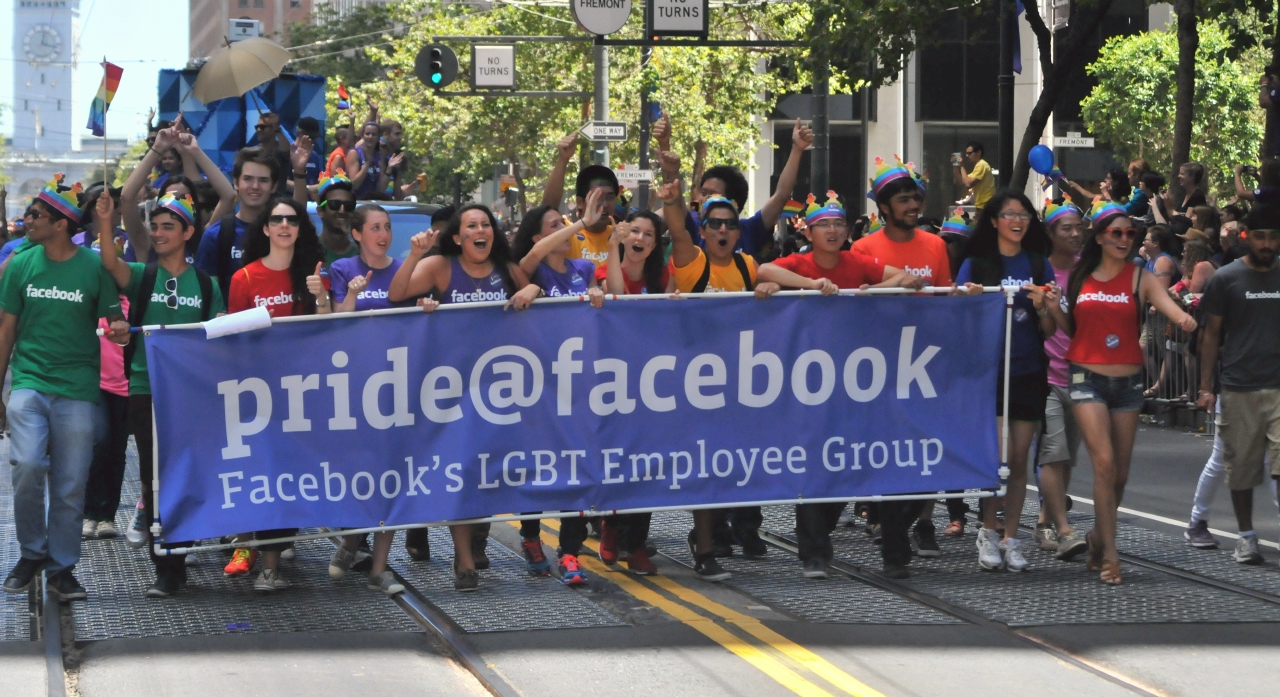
(316, 286)
(359, 283)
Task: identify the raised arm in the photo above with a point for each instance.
(298, 157)
(553, 192)
(103, 211)
(1078, 192)
(683, 250)
(191, 150)
(613, 276)
(417, 276)
(1242, 191)
(132, 193)
(801, 139)
(544, 246)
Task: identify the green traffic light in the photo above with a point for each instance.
(436, 77)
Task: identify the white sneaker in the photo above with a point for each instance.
(989, 551)
(288, 553)
(340, 562)
(1247, 550)
(89, 529)
(106, 529)
(387, 583)
(1013, 559)
(270, 580)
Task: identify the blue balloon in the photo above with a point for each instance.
(1041, 159)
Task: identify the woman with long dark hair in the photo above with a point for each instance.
(1008, 248)
(540, 247)
(638, 267)
(475, 265)
(1106, 294)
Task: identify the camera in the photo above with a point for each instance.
(956, 159)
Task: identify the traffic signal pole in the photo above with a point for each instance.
(600, 150)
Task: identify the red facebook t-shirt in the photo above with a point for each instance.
(633, 287)
(851, 271)
(257, 286)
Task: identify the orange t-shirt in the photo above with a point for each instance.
(925, 255)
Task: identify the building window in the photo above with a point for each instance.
(42, 78)
(295, 3)
(59, 105)
(257, 3)
(958, 76)
(244, 3)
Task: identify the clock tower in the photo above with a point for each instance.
(45, 112)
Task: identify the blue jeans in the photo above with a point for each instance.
(51, 436)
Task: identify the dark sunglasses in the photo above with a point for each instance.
(340, 206)
(261, 127)
(717, 223)
(1117, 233)
(33, 214)
(286, 219)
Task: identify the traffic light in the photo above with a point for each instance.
(436, 65)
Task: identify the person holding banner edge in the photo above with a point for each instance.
(1106, 296)
(189, 295)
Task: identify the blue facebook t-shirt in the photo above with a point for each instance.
(207, 252)
(1024, 340)
(752, 233)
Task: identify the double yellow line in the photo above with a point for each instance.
(775, 655)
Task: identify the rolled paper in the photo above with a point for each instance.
(236, 323)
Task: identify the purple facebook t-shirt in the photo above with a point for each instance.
(575, 280)
(375, 296)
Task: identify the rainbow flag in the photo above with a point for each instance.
(102, 102)
(344, 99)
(793, 207)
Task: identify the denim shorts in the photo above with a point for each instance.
(1119, 394)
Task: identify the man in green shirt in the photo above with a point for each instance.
(167, 292)
(52, 295)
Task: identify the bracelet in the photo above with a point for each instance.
(673, 204)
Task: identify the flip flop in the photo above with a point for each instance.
(1111, 573)
(1093, 561)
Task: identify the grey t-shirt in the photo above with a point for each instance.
(1248, 302)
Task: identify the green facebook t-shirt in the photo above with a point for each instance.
(58, 304)
(172, 302)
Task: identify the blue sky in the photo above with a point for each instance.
(141, 36)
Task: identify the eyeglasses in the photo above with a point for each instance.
(968, 153)
(33, 214)
(1119, 233)
(717, 223)
(339, 206)
(291, 220)
(1014, 215)
(171, 287)
(832, 224)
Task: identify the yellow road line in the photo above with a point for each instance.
(707, 627)
(804, 657)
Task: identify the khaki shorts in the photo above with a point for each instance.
(1060, 440)
(1249, 425)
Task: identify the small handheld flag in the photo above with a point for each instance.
(102, 102)
(344, 99)
(793, 206)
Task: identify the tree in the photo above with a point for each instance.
(1184, 94)
(344, 45)
(1130, 107)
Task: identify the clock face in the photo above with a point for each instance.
(42, 44)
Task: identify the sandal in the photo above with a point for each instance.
(1150, 392)
(1111, 573)
(1093, 561)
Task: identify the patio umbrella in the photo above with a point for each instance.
(237, 68)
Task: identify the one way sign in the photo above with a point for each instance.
(605, 131)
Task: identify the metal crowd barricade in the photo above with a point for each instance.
(1172, 367)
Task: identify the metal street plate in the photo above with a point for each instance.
(1069, 142)
(605, 131)
(634, 175)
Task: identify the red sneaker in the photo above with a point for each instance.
(640, 564)
(609, 545)
(533, 556)
(571, 571)
(241, 562)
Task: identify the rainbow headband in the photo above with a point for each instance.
(830, 209)
(66, 202)
(886, 173)
(956, 224)
(1105, 209)
(181, 207)
(1054, 213)
(717, 200)
(873, 225)
(338, 179)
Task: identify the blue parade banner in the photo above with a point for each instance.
(396, 419)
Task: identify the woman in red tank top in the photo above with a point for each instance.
(1107, 293)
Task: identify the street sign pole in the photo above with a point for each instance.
(600, 150)
(646, 54)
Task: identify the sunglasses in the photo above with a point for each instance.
(340, 206)
(33, 214)
(717, 223)
(285, 219)
(261, 127)
(171, 287)
(1117, 233)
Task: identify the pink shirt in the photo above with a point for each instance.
(1056, 346)
(113, 379)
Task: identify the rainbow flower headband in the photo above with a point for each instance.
(831, 209)
(717, 200)
(873, 225)
(1105, 209)
(886, 173)
(1053, 212)
(181, 207)
(338, 179)
(66, 202)
(956, 224)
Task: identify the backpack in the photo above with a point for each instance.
(138, 309)
(739, 260)
(226, 240)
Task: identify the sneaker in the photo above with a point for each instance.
(752, 546)
(480, 557)
(289, 553)
(1198, 535)
(66, 587)
(894, 571)
(815, 567)
(1013, 559)
(650, 548)
(708, 569)
(571, 571)
(340, 562)
(363, 562)
(1247, 550)
(989, 552)
(535, 558)
(877, 535)
(89, 529)
(466, 580)
(609, 544)
(136, 535)
(926, 543)
(25, 570)
(846, 519)
(165, 586)
(241, 562)
(270, 581)
(1047, 537)
(106, 530)
(1070, 546)
(640, 564)
(954, 529)
(387, 583)
(721, 548)
(417, 544)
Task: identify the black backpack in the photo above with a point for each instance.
(739, 260)
(138, 309)
(226, 240)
